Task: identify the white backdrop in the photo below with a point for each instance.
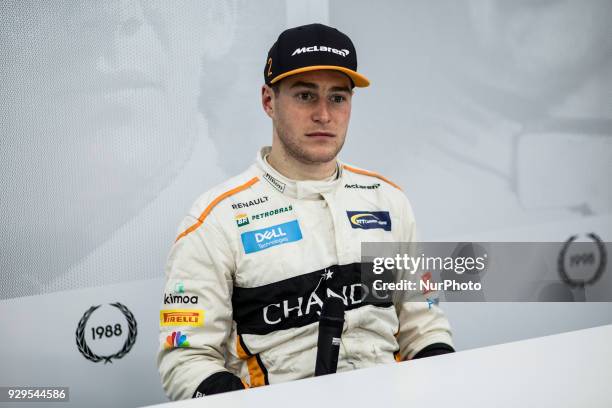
(494, 117)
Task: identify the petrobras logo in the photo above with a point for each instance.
(370, 219)
(321, 48)
(261, 239)
(242, 220)
(271, 213)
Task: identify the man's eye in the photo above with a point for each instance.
(338, 98)
(305, 96)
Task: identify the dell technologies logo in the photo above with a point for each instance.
(321, 48)
(269, 234)
(258, 240)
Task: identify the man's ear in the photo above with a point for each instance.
(267, 100)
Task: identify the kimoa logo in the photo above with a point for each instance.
(269, 234)
(363, 219)
(179, 299)
(321, 48)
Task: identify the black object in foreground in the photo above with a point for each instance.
(330, 332)
(222, 381)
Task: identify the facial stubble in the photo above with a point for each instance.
(297, 151)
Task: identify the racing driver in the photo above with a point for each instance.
(257, 256)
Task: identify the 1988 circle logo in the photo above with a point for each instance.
(106, 331)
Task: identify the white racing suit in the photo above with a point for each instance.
(252, 265)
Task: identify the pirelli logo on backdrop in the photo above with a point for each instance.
(181, 317)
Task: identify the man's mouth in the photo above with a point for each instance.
(323, 134)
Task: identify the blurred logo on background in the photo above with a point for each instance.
(582, 263)
(106, 331)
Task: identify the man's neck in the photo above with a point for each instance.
(295, 170)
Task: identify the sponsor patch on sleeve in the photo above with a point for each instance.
(181, 317)
(264, 238)
(175, 340)
(370, 219)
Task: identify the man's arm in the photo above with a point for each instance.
(424, 330)
(197, 305)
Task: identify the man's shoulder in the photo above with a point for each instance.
(375, 186)
(219, 204)
(224, 195)
(359, 178)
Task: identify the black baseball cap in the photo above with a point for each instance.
(312, 47)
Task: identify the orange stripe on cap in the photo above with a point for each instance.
(372, 174)
(216, 201)
(358, 79)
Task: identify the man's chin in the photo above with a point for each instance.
(319, 156)
(312, 151)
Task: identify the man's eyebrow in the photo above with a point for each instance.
(341, 89)
(311, 85)
(302, 84)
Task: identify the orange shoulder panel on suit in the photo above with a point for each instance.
(370, 173)
(214, 202)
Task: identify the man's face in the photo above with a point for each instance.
(106, 109)
(310, 114)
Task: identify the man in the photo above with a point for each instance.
(257, 257)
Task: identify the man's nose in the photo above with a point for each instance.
(321, 113)
(133, 39)
(126, 16)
